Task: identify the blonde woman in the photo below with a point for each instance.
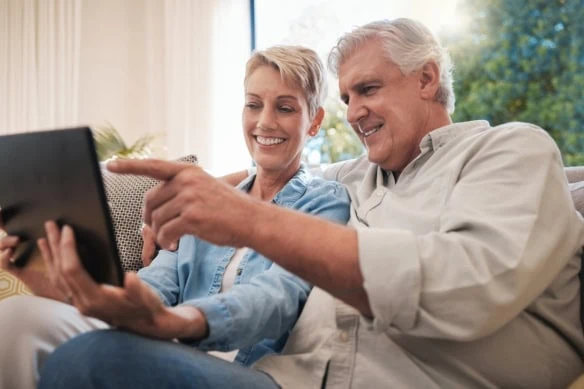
(212, 297)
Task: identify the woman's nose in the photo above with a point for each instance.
(267, 120)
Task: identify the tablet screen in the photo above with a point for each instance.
(55, 175)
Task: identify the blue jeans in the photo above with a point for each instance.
(110, 359)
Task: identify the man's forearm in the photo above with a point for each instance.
(321, 252)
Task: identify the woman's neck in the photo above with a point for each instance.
(268, 183)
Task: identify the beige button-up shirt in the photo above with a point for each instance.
(470, 263)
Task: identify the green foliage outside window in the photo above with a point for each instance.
(523, 60)
(517, 60)
(336, 140)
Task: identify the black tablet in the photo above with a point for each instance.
(55, 175)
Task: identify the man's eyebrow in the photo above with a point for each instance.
(361, 84)
(358, 87)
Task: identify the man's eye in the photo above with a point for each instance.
(251, 105)
(286, 109)
(368, 90)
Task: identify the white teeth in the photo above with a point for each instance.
(371, 132)
(269, 141)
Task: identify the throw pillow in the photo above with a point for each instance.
(125, 194)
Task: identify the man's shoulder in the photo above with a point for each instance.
(520, 127)
(521, 133)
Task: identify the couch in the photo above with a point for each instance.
(125, 199)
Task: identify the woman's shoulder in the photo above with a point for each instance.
(319, 184)
(323, 190)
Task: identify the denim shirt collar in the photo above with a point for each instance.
(290, 193)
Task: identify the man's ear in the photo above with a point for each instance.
(316, 122)
(429, 80)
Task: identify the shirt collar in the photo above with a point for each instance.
(291, 192)
(442, 135)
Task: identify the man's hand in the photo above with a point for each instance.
(135, 306)
(189, 201)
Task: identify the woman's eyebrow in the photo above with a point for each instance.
(288, 97)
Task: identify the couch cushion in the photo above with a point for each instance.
(125, 194)
(577, 191)
(575, 173)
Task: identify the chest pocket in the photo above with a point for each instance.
(251, 265)
(415, 206)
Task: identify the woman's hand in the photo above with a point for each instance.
(32, 275)
(135, 306)
(149, 247)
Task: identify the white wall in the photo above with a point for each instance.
(121, 66)
(124, 79)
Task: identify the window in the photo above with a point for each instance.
(514, 60)
(318, 24)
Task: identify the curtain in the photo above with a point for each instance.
(172, 67)
(39, 64)
(206, 46)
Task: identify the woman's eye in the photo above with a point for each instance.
(286, 109)
(252, 105)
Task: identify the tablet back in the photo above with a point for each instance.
(55, 175)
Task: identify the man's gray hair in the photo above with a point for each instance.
(407, 43)
(298, 66)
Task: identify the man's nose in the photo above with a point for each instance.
(355, 113)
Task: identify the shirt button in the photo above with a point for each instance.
(239, 271)
(344, 336)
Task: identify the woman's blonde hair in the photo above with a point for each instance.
(298, 66)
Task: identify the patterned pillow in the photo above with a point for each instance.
(10, 286)
(125, 194)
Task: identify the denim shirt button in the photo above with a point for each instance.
(239, 271)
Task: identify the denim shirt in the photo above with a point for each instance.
(258, 312)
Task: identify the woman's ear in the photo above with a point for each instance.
(316, 122)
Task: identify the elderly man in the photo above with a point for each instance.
(458, 267)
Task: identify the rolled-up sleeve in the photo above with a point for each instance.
(162, 276)
(401, 280)
(507, 229)
(266, 307)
